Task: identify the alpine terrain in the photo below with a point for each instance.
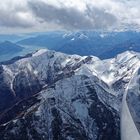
(49, 95)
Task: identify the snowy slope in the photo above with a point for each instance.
(45, 67)
(67, 110)
(52, 95)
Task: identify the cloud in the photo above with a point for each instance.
(71, 17)
(14, 20)
(15, 14)
(43, 15)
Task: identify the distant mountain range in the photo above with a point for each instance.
(8, 47)
(102, 44)
(10, 37)
(16, 37)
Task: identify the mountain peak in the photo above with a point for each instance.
(39, 52)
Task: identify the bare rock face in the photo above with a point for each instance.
(73, 111)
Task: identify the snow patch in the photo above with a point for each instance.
(40, 52)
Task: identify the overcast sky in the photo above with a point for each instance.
(44, 15)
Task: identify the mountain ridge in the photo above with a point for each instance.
(101, 44)
(8, 47)
(70, 96)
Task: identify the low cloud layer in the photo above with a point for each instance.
(43, 15)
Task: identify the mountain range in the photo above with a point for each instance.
(104, 45)
(54, 96)
(8, 47)
(101, 44)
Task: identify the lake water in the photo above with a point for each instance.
(26, 50)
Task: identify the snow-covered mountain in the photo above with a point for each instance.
(49, 95)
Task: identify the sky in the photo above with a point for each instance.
(21, 16)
